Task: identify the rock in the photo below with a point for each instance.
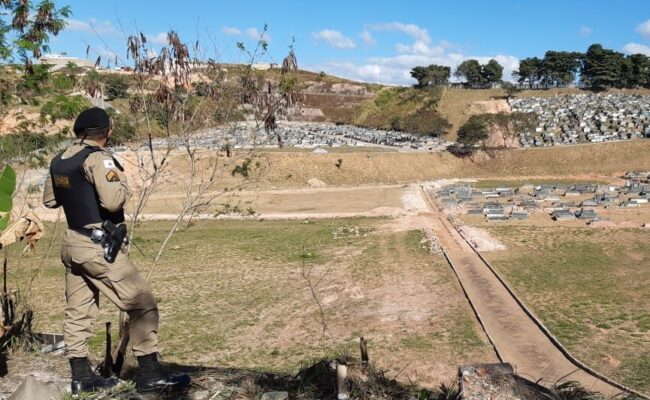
(492, 381)
(33, 389)
(347, 88)
(316, 183)
(201, 395)
(275, 396)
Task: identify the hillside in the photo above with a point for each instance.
(48, 101)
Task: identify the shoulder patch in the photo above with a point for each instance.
(61, 181)
(112, 176)
(109, 164)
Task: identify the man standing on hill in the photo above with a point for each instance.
(91, 187)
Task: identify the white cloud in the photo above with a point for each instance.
(585, 31)
(91, 26)
(420, 48)
(160, 38)
(334, 39)
(367, 38)
(636, 48)
(76, 25)
(395, 69)
(254, 34)
(412, 30)
(231, 31)
(644, 29)
(366, 73)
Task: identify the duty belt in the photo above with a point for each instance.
(97, 235)
(110, 236)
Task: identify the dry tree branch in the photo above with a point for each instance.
(306, 275)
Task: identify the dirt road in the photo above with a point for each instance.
(517, 339)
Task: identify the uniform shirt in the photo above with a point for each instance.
(100, 170)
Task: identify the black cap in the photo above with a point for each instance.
(90, 119)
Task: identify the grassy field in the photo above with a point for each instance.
(233, 294)
(592, 289)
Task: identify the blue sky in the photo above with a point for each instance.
(378, 41)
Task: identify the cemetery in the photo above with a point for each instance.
(306, 135)
(560, 202)
(584, 118)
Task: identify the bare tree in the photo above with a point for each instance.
(180, 99)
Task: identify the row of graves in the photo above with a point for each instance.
(584, 118)
(560, 201)
(309, 135)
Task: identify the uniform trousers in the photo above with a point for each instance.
(87, 274)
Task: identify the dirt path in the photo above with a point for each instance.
(517, 339)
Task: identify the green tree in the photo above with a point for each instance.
(602, 68)
(511, 125)
(501, 121)
(124, 129)
(636, 71)
(34, 83)
(116, 86)
(470, 70)
(92, 83)
(530, 70)
(72, 71)
(510, 88)
(474, 131)
(492, 72)
(433, 75)
(523, 122)
(559, 68)
(64, 107)
(25, 28)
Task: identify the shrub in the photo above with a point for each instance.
(116, 86)
(62, 83)
(474, 131)
(36, 82)
(64, 107)
(27, 146)
(123, 129)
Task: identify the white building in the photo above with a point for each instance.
(58, 61)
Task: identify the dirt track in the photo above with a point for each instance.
(517, 339)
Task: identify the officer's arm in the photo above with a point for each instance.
(109, 180)
(49, 200)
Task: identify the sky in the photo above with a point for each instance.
(372, 41)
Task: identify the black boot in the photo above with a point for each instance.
(153, 378)
(84, 379)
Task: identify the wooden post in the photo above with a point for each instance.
(364, 351)
(119, 354)
(107, 366)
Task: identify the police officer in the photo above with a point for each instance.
(91, 187)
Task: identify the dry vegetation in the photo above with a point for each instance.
(232, 294)
(590, 161)
(404, 109)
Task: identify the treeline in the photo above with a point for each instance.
(475, 74)
(598, 69)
